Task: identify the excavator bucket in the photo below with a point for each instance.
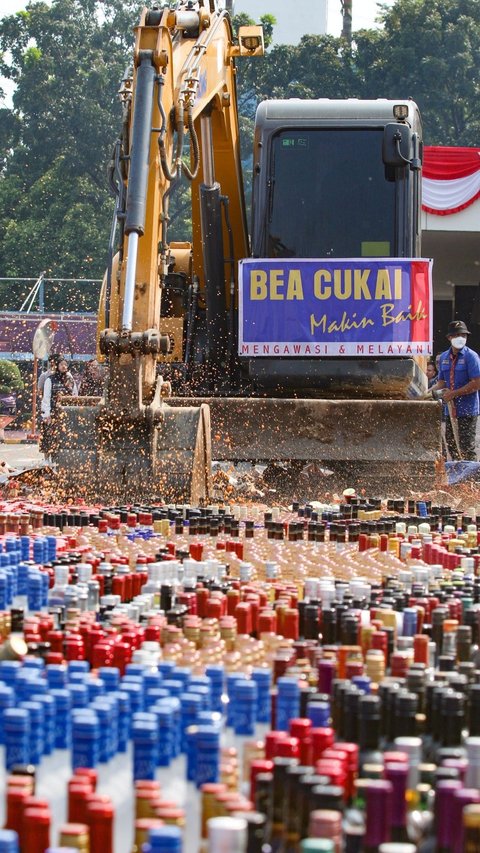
(104, 456)
(383, 446)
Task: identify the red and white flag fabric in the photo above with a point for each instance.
(451, 179)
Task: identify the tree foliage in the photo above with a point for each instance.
(428, 50)
(10, 377)
(66, 60)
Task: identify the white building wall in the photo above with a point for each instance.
(294, 17)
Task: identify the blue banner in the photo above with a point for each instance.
(329, 307)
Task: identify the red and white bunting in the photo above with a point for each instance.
(451, 179)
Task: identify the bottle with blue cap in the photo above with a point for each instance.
(288, 702)
(24, 548)
(45, 587)
(78, 666)
(4, 595)
(262, 678)
(7, 700)
(166, 734)
(135, 692)
(85, 739)
(16, 726)
(190, 704)
(174, 686)
(124, 718)
(62, 719)
(183, 674)
(363, 682)
(79, 694)
(110, 675)
(410, 618)
(22, 576)
(164, 839)
(191, 752)
(37, 727)
(56, 675)
(145, 746)
(244, 707)
(216, 674)
(104, 712)
(8, 841)
(207, 744)
(174, 747)
(9, 670)
(48, 704)
(40, 550)
(35, 590)
(232, 679)
(204, 693)
(51, 542)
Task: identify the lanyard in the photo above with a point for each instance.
(452, 380)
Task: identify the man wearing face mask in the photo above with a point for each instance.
(459, 375)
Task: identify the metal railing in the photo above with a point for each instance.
(42, 294)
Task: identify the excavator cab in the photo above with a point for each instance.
(337, 180)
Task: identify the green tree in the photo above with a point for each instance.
(428, 50)
(10, 377)
(66, 60)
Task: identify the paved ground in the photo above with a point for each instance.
(19, 454)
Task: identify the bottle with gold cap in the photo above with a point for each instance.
(471, 828)
(143, 825)
(75, 836)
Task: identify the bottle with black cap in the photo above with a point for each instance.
(405, 717)
(292, 799)
(327, 797)
(256, 828)
(351, 701)
(305, 785)
(264, 800)
(280, 769)
(369, 719)
(452, 718)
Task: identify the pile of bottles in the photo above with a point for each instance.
(313, 674)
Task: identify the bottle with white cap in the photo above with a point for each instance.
(227, 835)
(472, 776)
(57, 593)
(413, 747)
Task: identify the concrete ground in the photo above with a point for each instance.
(17, 452)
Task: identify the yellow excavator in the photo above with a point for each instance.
(331, 180)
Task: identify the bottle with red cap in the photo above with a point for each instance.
(36, 829)
(100, 820)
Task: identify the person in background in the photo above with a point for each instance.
(432, 373)
(59, 384)
(93, 380)
(53, 359)
(459, 376)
